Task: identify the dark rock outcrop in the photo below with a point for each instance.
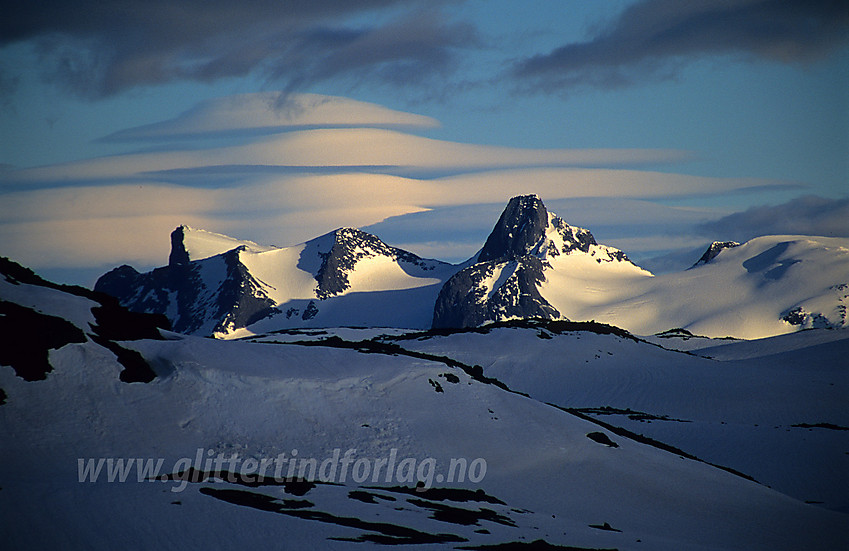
(713, 250)
(463, 300)
(179, 253)
(504, 282)
(192, 302)
(349, 246)
(218, 294)
(519, 228)
(35, 333)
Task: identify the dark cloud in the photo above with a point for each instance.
(809, 215)
(405, 51)
(100, 47)
(8, 84)
(653, 38)
(171, 21)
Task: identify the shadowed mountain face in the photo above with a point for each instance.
(518, 230)
(491, 291)
(505, 282)
(202, 296)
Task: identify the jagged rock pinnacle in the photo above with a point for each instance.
(520, 227)
(179, 255)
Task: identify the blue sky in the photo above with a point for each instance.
(659, 125)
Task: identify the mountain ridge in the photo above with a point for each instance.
(204, 291)
(532, 265)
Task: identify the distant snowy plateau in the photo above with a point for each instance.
(591, 404)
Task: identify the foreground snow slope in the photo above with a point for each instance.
(545, 479)
(773, 409)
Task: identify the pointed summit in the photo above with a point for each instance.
(521, 226)
(342, 249)
(504, 282)
(510, 277)
(179, 255)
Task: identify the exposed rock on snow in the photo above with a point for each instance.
(714, 249)
(346, 277)
(511, 268)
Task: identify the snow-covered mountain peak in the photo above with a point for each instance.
(525, 248)
(342, 250)
(766, 286)
(563, 239)
(533, 265)
(188, 244)
(526, 227)
(217, 285)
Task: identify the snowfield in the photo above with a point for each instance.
(591, 439)
(744, 292)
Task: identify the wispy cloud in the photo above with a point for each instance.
(808, 215)
(83, 225)
(99, 48)
(639, 227)
(654, 38)
(289, 187)
(268, 112)
(358, 148)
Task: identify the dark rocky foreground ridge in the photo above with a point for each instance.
(35, 333)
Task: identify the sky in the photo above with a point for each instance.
(659, 125)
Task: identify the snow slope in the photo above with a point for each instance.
(773, 409)
(346, 277)
(536, 265)
(551, 474)
(749, 291)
